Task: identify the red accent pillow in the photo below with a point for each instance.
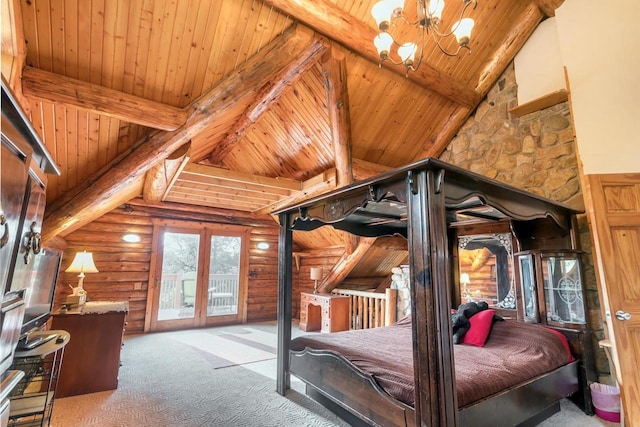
(480, 327)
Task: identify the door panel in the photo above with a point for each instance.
(28, 245)
(13, 177)
(224, 276)
(615, 220)
(178, 279)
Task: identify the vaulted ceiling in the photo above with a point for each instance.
(235, 104)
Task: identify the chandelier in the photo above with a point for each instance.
(390, 14)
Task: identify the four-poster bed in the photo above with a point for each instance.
(423, 202)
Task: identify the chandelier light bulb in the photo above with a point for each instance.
(382, 12)
(435, 9)
(383, 42)
(407, 53)
(462, 31)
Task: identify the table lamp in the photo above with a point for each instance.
(465, 281)
(316, 274)
(82, 263)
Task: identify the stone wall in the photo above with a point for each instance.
(536, 153)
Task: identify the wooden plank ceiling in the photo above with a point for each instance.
(115, 87)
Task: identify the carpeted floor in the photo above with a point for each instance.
(230, 346)
(168, 379)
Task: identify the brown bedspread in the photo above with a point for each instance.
(514, 352)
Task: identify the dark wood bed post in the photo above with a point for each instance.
(432, 341)
(285, 289)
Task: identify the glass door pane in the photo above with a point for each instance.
(224, 275)
(179, 276)
(563, 290)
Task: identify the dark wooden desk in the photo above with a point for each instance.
(92, 357)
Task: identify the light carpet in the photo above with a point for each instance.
(165, 382)
(224, 347)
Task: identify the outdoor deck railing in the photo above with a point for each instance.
(222, 290)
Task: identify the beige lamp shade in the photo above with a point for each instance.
(464, 279)
(82, 263)
(316, 273)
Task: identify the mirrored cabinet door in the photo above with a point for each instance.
(551, 288)
(529, 288)
(563, 292)
(485, 263)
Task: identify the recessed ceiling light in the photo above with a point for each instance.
(263, 245)
(131, 238)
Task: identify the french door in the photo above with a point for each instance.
(199, 276)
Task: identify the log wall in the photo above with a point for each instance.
(325, 258)
(124, 267)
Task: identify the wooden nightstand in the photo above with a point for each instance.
(324, 312)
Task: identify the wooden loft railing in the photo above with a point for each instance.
(370, 309)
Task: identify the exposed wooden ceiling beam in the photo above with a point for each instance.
(69, 92)
(338, 25)
(364, 170)
(125, 193)
(161, 177)
(522, 28)
(214, 201)
(448, 130)
(322, 180)
(214, 104)
(334, 73)
(268, 95)
(138, 206)
(323, 252)
(345, 264)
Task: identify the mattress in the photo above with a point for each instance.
(514, 353)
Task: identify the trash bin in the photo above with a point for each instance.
(606, 400)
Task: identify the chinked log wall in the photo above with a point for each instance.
(124, 267)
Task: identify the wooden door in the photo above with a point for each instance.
(199, 272)
(614, 212)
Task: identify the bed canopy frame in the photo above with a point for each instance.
(420, 201)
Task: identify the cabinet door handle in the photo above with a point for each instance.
(621, 315)
(5, 236)
(33, 243)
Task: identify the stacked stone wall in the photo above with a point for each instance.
(535, 152)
